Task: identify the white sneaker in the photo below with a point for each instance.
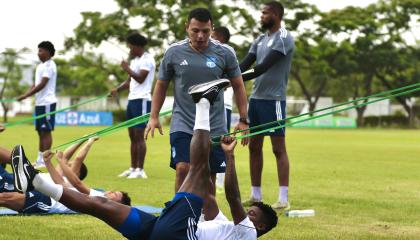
(126, 173)
(135, 174)
(143, 174)
(39, 164)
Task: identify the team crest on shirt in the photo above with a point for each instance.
(270, 43)
(211, 62)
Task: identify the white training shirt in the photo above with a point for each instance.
(222, 229)
(46, 96)
(137, 90)
(228, 95)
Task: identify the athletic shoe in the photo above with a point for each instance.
(23, 171)
(250, 201)
(126, 173)
(143, 174)
(208, 90)
(135, 174)
(39, 164)
(279, 206)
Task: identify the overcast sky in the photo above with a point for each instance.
(25, 23)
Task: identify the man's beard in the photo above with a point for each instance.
(267, 25)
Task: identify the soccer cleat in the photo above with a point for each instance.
(126, 173)
(208, 90)
(250, 201)
(279, 206)
(23, 171)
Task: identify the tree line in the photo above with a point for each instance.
(343, 53)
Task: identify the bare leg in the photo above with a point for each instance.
(279, 150)
(198, 178)
(256, 159)
(182, 169)
(137, 147)
(112, 213)
(12, 200)
(4, 156)
(45, 140)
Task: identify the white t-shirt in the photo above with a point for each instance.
(222, 229)
(228, 95)
(137, 90)
(46, 96)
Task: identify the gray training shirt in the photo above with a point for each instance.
(272, 84)
(186, 68)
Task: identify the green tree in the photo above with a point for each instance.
(11, 74)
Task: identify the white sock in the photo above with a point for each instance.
(202, 115)
(131, 169)
(283, 194)
(137, 170)
(256, 193)
(220, 180)
(52, 190)
(40, 157)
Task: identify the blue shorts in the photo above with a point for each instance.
(262, 111)
(7, 183)
(45, 124)
(36, 202)
(177, 221)
(136, 108)
(138, 225)
(228, 113)
(180, 152)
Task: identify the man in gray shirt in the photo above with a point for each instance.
(272, 52)
(197, 59)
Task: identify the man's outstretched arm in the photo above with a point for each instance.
(71, 176)
(233, 196)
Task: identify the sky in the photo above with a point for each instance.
(25, 23)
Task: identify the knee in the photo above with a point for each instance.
(182, 168)
(279, 152)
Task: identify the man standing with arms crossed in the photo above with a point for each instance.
(141, 72)
(45, 99)
(197, 59)
(273, 52)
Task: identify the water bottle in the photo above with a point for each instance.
(301, 213)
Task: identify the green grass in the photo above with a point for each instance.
(363, 184)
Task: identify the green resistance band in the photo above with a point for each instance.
(8, 100)
(324, 109)
(215, 142)
(54, 112)
(114, 128)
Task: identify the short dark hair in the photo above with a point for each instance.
(201, 14)
(125, 199)
(277, 8)
(224, 31)
(269, 217)
(83, 171)
(48, 46)
(136, 39)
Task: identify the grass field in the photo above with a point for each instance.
(363, 184)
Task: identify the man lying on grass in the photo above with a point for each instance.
(66, 174)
